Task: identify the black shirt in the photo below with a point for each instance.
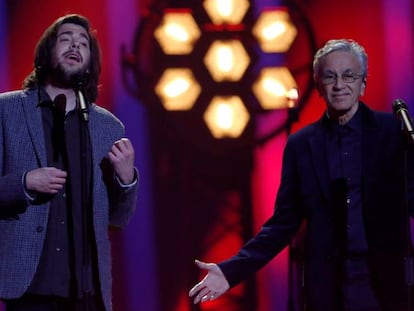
(345, 163)
(66, 260)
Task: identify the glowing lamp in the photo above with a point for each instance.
(275, 88)
(274, 31)
(226, 117)
(177, 33)
(177, 89)
(226, 60)
(226, 11)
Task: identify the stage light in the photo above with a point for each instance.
(177, 32)
(226, 60)
(292, 97)
(274, 31)
(177, 89)
(210, 84)
(275, 88)
(221, 48)
(226, 117)
(226, 11)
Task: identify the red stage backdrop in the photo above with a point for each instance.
(384, 27)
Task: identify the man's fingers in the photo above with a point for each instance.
(195, 289)
(202, 293)
(203, 265)
(123, 145)
(205, 295)
(206, 290)
(122, 150)
(45, 179)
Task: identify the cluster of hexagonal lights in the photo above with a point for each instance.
(226, 60)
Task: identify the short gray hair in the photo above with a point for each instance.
(345, 45)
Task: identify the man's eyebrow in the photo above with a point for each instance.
(70, 32)
(329, 71)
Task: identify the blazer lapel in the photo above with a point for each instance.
(95, 135)
(371, 140)
(318, 149)
(35, 126)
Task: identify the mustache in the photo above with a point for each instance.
(74, 54)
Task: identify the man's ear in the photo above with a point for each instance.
(364, 85)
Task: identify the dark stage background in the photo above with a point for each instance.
(192, 203)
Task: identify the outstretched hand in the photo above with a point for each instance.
(212, 286)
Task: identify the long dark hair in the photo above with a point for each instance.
(44, 47)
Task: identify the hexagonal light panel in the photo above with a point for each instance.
(177, 89)
(226, 60)
(226, 11)
(177, 32)
(226, 116)
(274, 31)
(275, 88)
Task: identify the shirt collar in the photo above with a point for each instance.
(355, 123)
(46, 101)
(44, 98)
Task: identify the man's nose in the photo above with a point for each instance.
(75, 44)
(339, 82)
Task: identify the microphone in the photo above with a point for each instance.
(78, 81)
(400, 109)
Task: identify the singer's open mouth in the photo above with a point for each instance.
(73, 56)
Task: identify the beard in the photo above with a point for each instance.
(63, 76)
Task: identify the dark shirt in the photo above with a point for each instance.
(65, 260)
(345, 164)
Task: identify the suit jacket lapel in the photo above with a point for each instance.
(318, 149)
(94, 131)
(371, 139)
(95, 135)
(35, 126)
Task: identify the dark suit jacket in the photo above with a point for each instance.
(305, 195)
(23, 224)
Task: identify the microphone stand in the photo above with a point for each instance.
(408, 258)
(400, 109)
(84, 131)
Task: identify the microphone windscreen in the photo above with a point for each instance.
(79, 81)
(397, 105)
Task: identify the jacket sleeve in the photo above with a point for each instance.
(276, 233)
(122, 202)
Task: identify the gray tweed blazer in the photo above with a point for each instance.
(22, 223)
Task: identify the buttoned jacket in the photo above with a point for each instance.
(306, 196)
